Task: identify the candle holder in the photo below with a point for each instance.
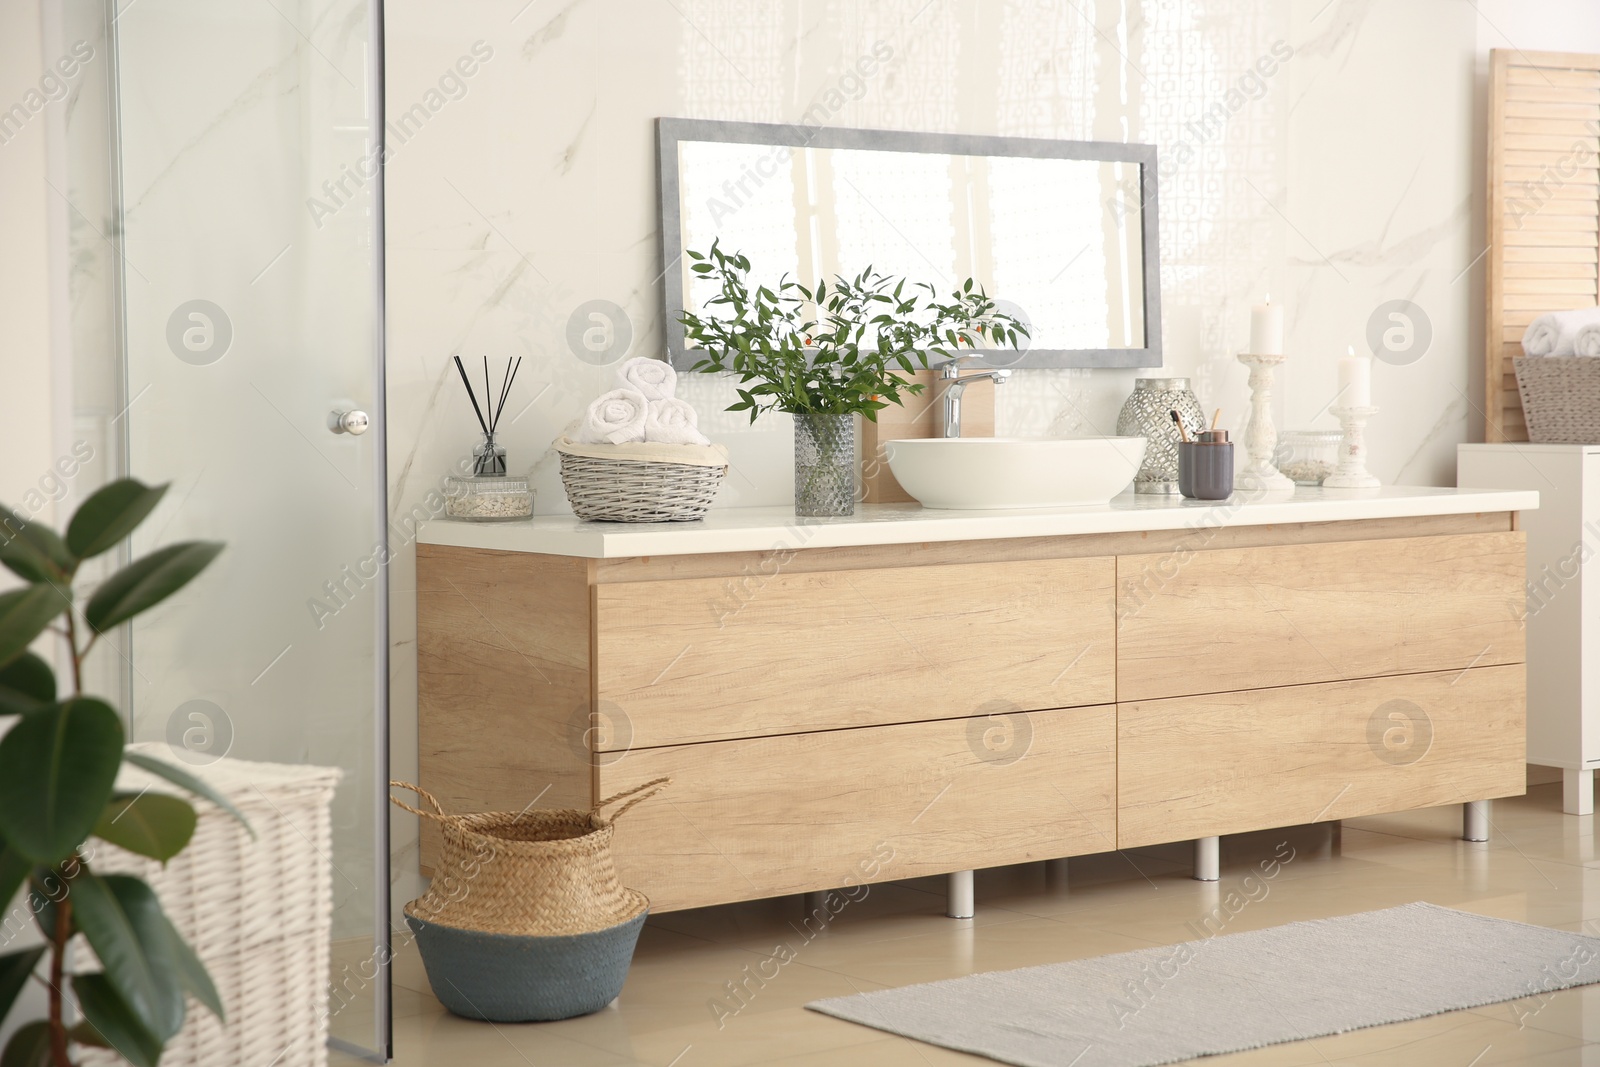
(1260, 435)
(1351, 473)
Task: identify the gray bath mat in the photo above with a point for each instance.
(1233, 992)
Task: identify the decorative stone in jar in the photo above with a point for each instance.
(1306, 457)
(480, 498)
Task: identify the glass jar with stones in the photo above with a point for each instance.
(489, 494)
(1306, 457)
(1148, 414)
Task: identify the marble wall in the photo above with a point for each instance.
(1326, 151)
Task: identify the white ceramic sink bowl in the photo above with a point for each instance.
(984, 473)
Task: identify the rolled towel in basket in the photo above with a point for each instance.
(615, 418)
(672, 422)
(1586, 342)
(655, 378)
(1555, 333)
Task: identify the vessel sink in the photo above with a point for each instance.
(984, 473)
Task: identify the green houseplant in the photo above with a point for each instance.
(827, 354)
(58, 768)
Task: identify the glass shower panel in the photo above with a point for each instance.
(251, 225)
(84, 176)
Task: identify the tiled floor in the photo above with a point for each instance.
(1540, 867)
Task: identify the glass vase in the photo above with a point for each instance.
(824, 465)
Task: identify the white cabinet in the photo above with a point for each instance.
(1563, 610)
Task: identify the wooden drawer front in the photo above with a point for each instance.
(1198, 766)
(708, 659)
(775, 815)
(1250, 618)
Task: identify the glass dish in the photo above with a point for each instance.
(475, 498)
(1306, 457)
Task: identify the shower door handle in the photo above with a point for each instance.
(354, 423)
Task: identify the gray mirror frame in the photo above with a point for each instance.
(670, 131)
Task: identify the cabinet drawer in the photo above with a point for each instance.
(688, 660)
(1199, 766)
(768, 816)
(1250, 618)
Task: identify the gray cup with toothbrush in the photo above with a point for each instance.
(1205, 462)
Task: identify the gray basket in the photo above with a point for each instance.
(504, 978)
(632, 490)
(1560, 398)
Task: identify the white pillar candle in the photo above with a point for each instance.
(1355, 380)
(1266, 329)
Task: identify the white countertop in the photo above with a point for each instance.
(769, 528)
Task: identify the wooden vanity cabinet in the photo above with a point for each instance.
(836, 716)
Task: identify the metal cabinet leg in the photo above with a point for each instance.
(816, 904)
(1475, 820)
(1577, 792)
(958, 900)
(1207, 859)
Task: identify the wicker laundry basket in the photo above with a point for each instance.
(525, 919)
(257, 911)
(641, 482)
(1560, 398)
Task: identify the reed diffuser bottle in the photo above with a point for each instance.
(489, 493)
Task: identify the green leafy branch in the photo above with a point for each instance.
(840, 349)
(58, 770)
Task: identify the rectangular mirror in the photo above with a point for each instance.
(1063, 234)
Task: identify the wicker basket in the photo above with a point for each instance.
(257, 911)
(632, 490)
(1560, 398)
(524, 919)
(542, 872)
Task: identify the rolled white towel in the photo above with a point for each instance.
(655, 378)
(616, 418)
(673, 422)
(1556, 333)
(1587, 341)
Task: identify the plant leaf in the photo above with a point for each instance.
(24, 613)
(192, 973)
(150, 824)
(14, 971)
(14, 870)
(146, 582)
(115, 1021)
(28, 1047)
(57, 770)
(26, 684)
(31, 550)
(109, 515)
(122, 919)
(85, 1034)
(178, 776)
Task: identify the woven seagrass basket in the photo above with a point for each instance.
(525, 920)
(1560, 398)
(542, 872)
(632, 490)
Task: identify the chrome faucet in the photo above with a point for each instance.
(952, 383)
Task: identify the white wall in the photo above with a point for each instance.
(27, 389)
